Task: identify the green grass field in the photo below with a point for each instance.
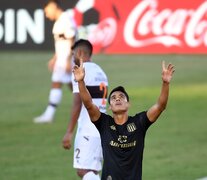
(175, 146)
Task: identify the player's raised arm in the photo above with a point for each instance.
(79, 74)
(167, 73)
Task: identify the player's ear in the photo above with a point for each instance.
(109, 107)
(78, 52)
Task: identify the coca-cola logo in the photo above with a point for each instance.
(146, 25)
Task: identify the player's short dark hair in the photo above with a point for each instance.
(119, 88)
(85, 44)
(57, 2)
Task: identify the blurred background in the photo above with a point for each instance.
(130, 41)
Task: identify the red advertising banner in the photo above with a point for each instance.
(113, 26)
(145, 26)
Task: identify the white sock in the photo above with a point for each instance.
(54, 100)
(91, 176)
(55, 96)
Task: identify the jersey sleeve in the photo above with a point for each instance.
(70, 32)
(69, 27)
(143, 121)
(100, 122)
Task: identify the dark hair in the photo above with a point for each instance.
(119, 88)
(57, 2)
(85, 44)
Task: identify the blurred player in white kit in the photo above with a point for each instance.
(64, 31)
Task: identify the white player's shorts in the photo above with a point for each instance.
(60, 75)
(87, 153)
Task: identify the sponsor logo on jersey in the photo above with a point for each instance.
(123, 145)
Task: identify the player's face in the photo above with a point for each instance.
(50, 10)
(77, 55)
(118, 102)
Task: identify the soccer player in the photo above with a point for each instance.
(64, 31)
(122, 135)
(87, 146)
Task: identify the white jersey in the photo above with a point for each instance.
(97, 84)
(64, 29)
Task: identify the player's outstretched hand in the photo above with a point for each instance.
(167, 72)
(51, 64)
(79, 71)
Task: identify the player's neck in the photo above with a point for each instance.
(120, 118)
(58, 13)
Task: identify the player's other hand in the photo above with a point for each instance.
(79, 71)
(51, 64)
(68, 68)
(67, 140)
(167, 72)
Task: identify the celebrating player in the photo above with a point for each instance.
(122, 136)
